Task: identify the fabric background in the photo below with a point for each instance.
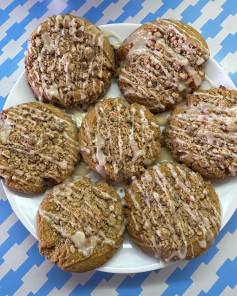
(22, 270)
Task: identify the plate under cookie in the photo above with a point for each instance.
(129, 258)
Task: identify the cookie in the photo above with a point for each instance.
(202, 133)
(69, 62)
(160, 63)
(38, 146)
(172, 212)
(118, 140)
(80, 224)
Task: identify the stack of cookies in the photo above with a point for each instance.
(169, 209)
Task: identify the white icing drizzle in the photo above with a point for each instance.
(136, 204)
(101, 157)
(163, 117)
(120, 141)
(81, 169)
(4, 132)
(210, 82)
(133, 143)
(138, 85)
(77, 115)
(78, 238)
(71, 142)
(135, 222)
(62, 164)
(175, 25)
(110, 34)
(208, 225)
(97, 190)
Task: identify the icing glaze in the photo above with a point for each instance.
(4, 132)
(110, 34)
(210, 82)
(81, 169)
(77, 115)
(162, 117)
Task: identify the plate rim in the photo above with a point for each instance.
(145, 268)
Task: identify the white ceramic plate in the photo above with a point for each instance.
(129, 257)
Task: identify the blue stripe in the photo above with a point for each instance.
(228, 45)
(192, 12)
(131, 285)
(73, 3)
(162, 10)
(91, 284)
(130, 9)
(95, 14)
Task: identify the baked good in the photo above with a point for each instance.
(203, 133)
(118, 140)
(69, 62)
(80, 224)
(172, 212)
(38, 146)
(160, 63)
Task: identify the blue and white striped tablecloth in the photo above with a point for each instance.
(22, 270)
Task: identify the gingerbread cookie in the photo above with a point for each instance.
(38, 147)
(118, 140)
(202, 133)
(80, 224)
(160, 63)
(69, 62)
(172, 212)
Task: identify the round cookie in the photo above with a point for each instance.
(160, 63)
(38, 146)
(172, 212)
(203, 133)
(69, 62)
(118, 140)
(80, 224)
